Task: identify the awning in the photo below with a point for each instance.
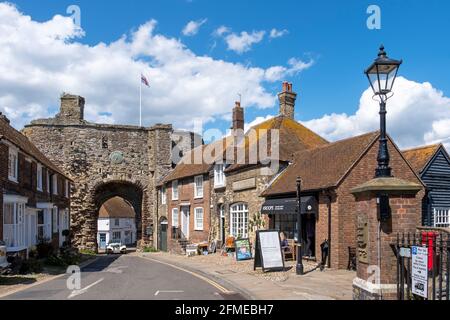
(289, 206)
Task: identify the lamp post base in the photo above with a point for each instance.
(299, 269)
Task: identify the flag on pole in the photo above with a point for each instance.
(144, 80)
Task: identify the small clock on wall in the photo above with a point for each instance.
(116, 157)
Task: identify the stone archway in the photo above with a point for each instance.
(133, 193)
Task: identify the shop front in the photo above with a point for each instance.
(282, 213)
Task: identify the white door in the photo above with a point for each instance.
(185, 221)
(30, 227)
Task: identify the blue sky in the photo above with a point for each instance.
(332, 34)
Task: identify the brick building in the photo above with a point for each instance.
(237, 202)
(34, 194)
(328, 175)
(184, 207)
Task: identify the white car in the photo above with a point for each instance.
(116, 248)
(3, 259)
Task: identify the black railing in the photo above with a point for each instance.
(177, 234)
(438, 265)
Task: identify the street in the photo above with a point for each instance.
(128, 277)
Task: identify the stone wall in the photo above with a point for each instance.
(102, 157)
(244, 186)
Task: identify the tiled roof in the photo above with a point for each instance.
(293, 137)
(419, 157)
(116, 208)
(7, 132)
(322, 167)
(198, 161)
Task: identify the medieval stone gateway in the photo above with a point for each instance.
(107, 161)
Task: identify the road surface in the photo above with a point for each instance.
(129, 277)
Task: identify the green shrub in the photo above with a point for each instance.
(30, 266)
(88, 252)
(44, 250)
(67, 258)
(149, 249)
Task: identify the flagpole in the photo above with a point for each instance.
(140, 102)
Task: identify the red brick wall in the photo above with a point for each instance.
(406, 215)
(186, 195)
(344, 205)
(27, 184)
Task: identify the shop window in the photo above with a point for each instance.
(239, 220)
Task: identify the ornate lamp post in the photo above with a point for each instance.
(381, 74)
(299, 267)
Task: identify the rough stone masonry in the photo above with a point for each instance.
(106, 161)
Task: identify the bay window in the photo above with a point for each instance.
(198, 187)
(198, 219)
(239, 220)
(14, 221)
(44, 221)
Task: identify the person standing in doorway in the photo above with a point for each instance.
(310, 234)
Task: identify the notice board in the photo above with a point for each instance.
(419, 274)
(268, 251)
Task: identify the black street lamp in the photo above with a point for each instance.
(381, 75)
(299, 267)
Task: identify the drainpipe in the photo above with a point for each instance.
(329, 228)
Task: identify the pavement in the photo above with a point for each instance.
(129, 277)
(330, 284)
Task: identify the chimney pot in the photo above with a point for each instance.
(287, 100)
(238, 117)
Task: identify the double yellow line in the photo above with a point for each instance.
(211, 282)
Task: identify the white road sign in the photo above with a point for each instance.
(419, 279)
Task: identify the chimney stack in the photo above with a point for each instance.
(287, 100)
(238, 117)
(4, 118)
(72, 108)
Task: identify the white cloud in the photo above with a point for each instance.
(417, 114)
(243, 42)
(275, 33)
(192, 28)
(296, 66)
(256, 121)
(40, 60)
(219, 32)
